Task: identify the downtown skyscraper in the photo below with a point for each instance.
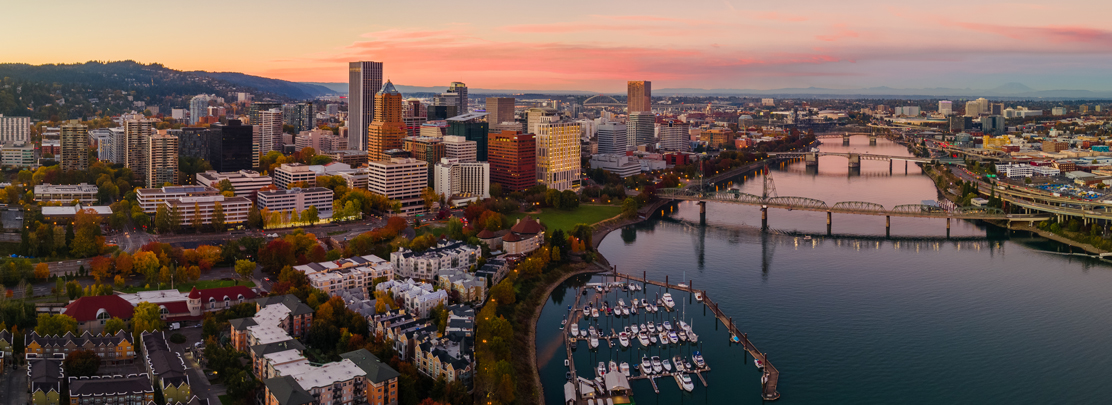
(386, 129)
(364, 82)
(499, 110)
(639, 96)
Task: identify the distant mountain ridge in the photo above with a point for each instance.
(294, 90)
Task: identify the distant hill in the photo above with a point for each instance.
(294, 90)
(342, 88)
(1009, 91)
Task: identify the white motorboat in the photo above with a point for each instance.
(699, 296)
(582, 333)
(668, 302)
(652, 327)
(664, 338)
(634, 329)
(594, 312)
(677, 362)
(625, 311)
(646, 366)
(760, 365)
(623, 338)
(624, 367)
(682, 335)
(685, 382)
(657, 367)
(633, 310)
(635, 303)
(699, 362)
(614, 366)
(692, 337)
(684, 326)
(667, 325)
(667, 365)
(652, 338)
(687, 365)
(574, 329)
(594, 341)
(598, 288)
(644, 328)
(621, 302)
(672, 337)
(643, 338)
(600, 370)
(586, 311)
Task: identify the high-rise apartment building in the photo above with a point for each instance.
(321, 140)
(257, 108)
(364, 82)
(386, 130)
(269, 130)
(513, 160)
(198, 107)
(455, 178)
(472, 127)
(300, 116)
(675, 136)
(400, 179)
(75, 147)
(977, 107)
(162, 155)
(612, 137)
(137, 133)
(946, 107)
(558, 155)
(640, 129)
(499, 110)
(639, 96)
(15, 129)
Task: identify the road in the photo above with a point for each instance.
(14, 385)
(337, 231)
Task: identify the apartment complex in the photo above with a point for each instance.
(558, 155)
(166, 368)
(15, 129)
(75, 147)
(427, 265)
(321, 140)
(400, 179)
(641, 129)
(513, 160)
(111, 389)
(162, 160)
(268, 130)
(418, 298)
(111, 349)
(675, 136)
(451, 177)
(356, 272)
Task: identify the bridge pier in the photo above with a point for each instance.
(811, 159)
(854, 160)
(764, 217)
(887, 226)
(947, 228)
(905, 167)
(845, 140)
(872, 140)
(702, 212)
(889, 166)
(828, 222)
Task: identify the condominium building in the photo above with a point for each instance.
(674, 136)
(639, 96)
(454, 178)
(75, 147)
(364, 81)
(150, 198)
(472, 127)
(558, 154)
(640, 129)
(204, 207)
(162, 158)
(112, 349)
(300, 116)
(513, 160)
(18, 154)
(612, 137)
(44, 377)
(15, 129)
(400, 179)
(66, 193)
(321, 140)
(418, 298)
(166, 368)
(358, 273)
(198, 107)
(458, 147)
(946, 107)
(427, 265)
(111, 389)
(297, 199)
(269, 130)
(500, 109)
(245, 182)
(386, 131)
(136, 134)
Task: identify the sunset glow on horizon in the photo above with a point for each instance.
(595, 46)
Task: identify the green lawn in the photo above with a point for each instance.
(185, 287)
(226, 400)
(555, 219)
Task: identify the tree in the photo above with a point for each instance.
(124, 264)
(81, 363)
(147, 318)
(430, 197)
(59, 288)
(245, 268)
(310, 216)
(218, 216)
(162, 219)
(254, 217)
(147, 264)
(629, 208)
(42, 271)
(56, 324)
(175, 219)
(196, 220)
(114, 325)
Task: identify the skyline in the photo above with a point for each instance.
(596, 47)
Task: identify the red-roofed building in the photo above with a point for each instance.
(525, 236)
(181, 307)
(92, 312)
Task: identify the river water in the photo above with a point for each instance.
(983, 317)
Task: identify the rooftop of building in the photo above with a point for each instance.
(376, 371)
(231, 176)
(110, 385)
(86, 309)
(65, 188)
(295, 190)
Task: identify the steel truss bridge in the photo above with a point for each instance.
(854, 156)
(848, 207)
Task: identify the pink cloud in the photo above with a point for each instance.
(841, 33)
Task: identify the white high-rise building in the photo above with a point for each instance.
(269, 130)
(458, 147)
(612, 138)
(558, 154)
(198, 107)
(675, 136)
(640, 129)
(15, 129)
(364, 81)
(946, 107)
(455, 178)
(537, 116)
(400, 179)
(977, 107)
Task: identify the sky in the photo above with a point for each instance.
(594, 45)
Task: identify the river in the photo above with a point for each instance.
(984, 317)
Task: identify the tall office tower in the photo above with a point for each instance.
(945, 107)
(198, 107)
(425, 148)
(972, 108)
(536, 116)
(513, 160)
(257, 108)
(558, 154)
(640, 129)
(162, 153)
(639, 97)
(300, 116)
(270, 131)
(136, 133)
(674, 135)
(236, 151)
(459, 148)
(364, 81)
(612, 137)
(472, 127)
(998, 108)
(199, 143)
(993, 124)
(414, 115)
(386, 130)
(75, 147)
(499, 110)
(15, 129)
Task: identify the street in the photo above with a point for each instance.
(14, 385)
